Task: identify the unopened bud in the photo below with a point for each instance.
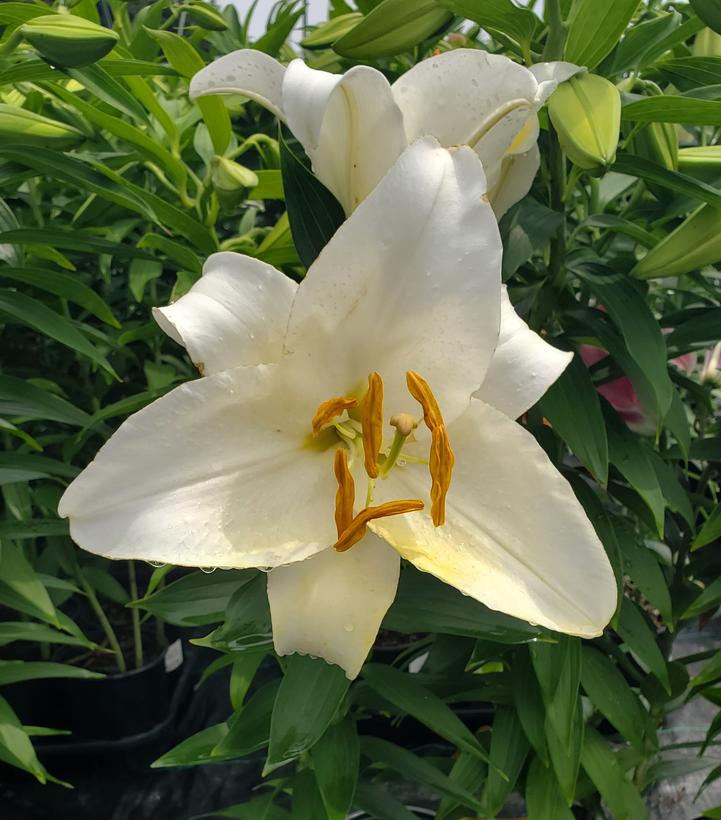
(707, 43)
(68, 40)
(658, 142)
(29, 129)
(231, 180)
(586, 113)
(333, 30)
(693, 245)
(205, 16)
(702, 162)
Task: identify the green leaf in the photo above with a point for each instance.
(29, 631)
(509, 748)
(18, 575)
(39, 466)
(307, 802)
(640, 42)
(16, 748)
(392, 27)
(602, 767)
(270, 185)
(336, 758)
(638, 636)
(313, 212)
(543, 794)
(641, 565)
(672, 180)
(70, 240)
(468, 772)
(178, 253)
(526, 229)
(36, 528)
(247, 625)
(674, 109)
(594, 29)
(710, 531)
(528, 701)
(35, 314)
(618, 224)
(571, 397)
(141, 272)
(196, 599)
(424, 604)
(64, 285)
(242, 673)
(710, 598)
(498, 15)
(194, 750)
(15, 671)
(632, 459)
(709, 11)
(97, 80)
(378, 803)
(611, 695)
(566, 757)
(709, 674)
(639, 328)
(308, 699)
(414, 768)
(405, 693)
(249, 729)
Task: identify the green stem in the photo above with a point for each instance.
(135, 616)
(104, 622)
(557, 164)
(556, 38)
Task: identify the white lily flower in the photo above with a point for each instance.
(256, 464)
(353, 126)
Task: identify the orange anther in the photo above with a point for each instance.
(345, 494)
(328, 410)
(422, 393)
(359, 525)
(372, 423)
(441, 467)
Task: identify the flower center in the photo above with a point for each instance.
(378, 463)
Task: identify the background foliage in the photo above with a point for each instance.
(114, 188)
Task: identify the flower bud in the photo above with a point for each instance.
(707, 44)
(67, 40)
(586, 113)
(392, 27)
(331, 31)
(29, 129)
(231, 180)
(658, 142)
(702, 162)
(693, 245)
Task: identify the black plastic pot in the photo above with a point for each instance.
(115, 713)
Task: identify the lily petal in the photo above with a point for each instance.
(550, 75)
(215, 473)
(349, 125)
(235, 314)
(410, 282)
(468, 97)
(248, 72)
(517, 174)
(331, 605)
(523, 366)
(515, 536)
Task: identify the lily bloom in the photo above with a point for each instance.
(335, 432)
(354, 126)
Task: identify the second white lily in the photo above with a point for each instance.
(257, 464)
(354, 126)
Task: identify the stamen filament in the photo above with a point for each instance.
(345, 494)
(372, 421)
(359, 525)
(328, 410)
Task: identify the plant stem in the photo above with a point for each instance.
(104, 622)
(556, 38)
(135, 616)
(557, 167)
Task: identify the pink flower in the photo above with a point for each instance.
(621, 394)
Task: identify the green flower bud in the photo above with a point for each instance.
(693, 245)
(707, 44)
(231, 180)
(586, 113)
(392, 27)
(26, 128)
(205, 16)
(67, 40)
(702, 162)
(658, 142)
